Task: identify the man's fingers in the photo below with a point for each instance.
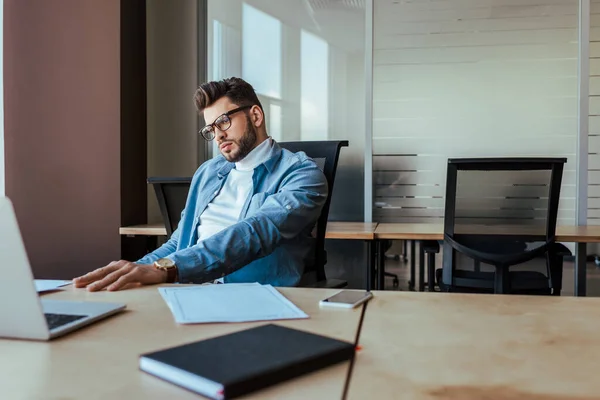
(111, 277)
(132, 276)
(96, 274)
(139, 275)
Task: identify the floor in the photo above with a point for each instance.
(402, 269)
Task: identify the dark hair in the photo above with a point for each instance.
(240, 92)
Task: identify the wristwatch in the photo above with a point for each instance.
(166, 264)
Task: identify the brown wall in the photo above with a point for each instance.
(62, 130)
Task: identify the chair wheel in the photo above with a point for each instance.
(396, 282)
(396, 257)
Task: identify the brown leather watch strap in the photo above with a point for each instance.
(172, 275)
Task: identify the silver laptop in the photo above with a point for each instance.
(23, 314)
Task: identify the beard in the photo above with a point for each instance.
(244, 145)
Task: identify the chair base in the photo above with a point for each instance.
(396, 281)
(521, 282)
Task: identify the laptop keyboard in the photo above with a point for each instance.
(56, 320)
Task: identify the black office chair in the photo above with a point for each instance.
(171, 194)
(386, 245)
(518, 208)
(326, 154)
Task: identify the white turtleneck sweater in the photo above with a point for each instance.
(226, 207)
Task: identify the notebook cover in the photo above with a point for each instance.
(255, 358)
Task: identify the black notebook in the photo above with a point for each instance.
(232, 365)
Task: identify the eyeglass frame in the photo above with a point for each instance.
(228, 114)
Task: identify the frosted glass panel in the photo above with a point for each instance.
(2, 184)
(469, 78)
(306, 60)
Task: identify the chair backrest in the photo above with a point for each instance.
(171, 194)
(500, 211)
(326, 154)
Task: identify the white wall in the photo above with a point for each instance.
(172, 76)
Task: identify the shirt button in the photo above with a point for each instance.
(288, 207)
(215, 193)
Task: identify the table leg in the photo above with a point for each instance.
(371, 264)
(380, 266)
(580, 269)
(431, 272)
(421, 267)
(411, 282)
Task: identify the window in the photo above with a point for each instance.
(261, 51)
(314, 86)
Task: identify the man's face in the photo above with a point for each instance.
(236, 142)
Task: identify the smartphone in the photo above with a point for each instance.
(346, 299)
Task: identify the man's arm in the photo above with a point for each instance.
(283, 215)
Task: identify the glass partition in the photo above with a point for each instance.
(306, 60)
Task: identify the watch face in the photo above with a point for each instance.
(165, 263)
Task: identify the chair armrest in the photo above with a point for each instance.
(562, 250)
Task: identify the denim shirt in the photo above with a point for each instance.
(271, 242)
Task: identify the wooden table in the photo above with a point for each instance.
(101, 360)
(581, 235)
(460, 346)
(144, 230)
(414, 346)
(404, 231)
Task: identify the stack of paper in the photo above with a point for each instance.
(230, 302)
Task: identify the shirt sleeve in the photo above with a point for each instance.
(283, 215)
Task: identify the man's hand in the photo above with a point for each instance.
(119, 274)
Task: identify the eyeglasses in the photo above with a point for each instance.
(223, 122)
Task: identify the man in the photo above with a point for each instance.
(249, 213)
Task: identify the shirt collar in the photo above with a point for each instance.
(270, 161)
(257, 156)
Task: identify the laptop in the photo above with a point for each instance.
(23, 315)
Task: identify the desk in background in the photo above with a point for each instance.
(581, 235)
(466, 346)
(101, 361)
(335, 230)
